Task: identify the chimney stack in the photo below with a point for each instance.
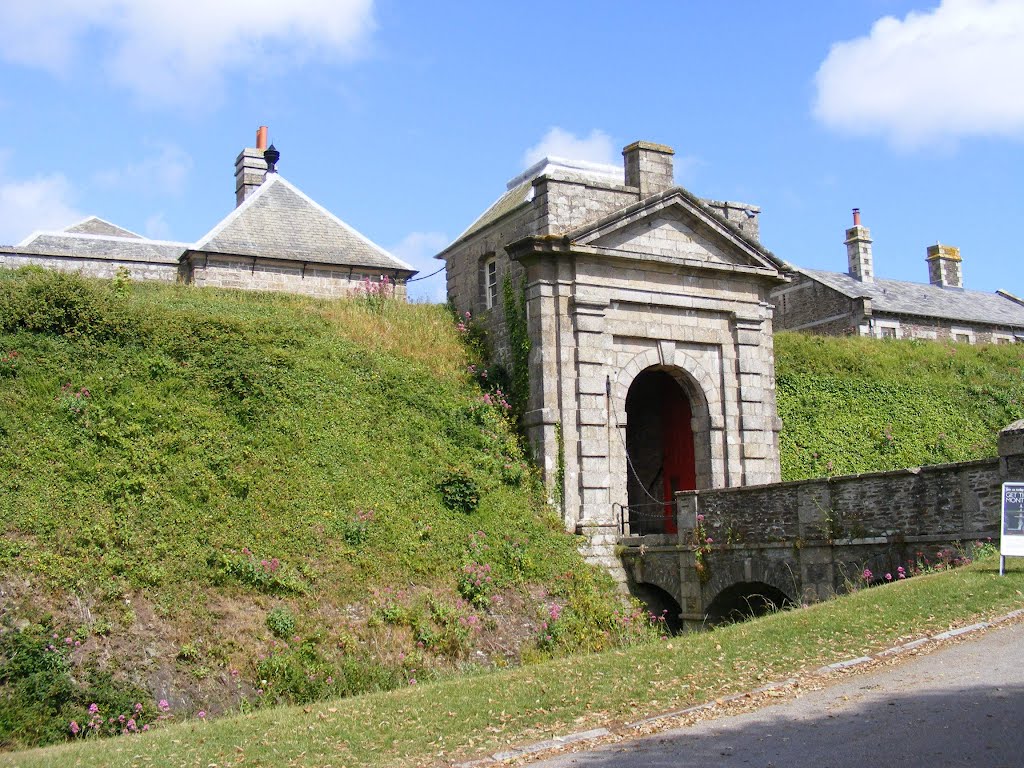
(250, 167)
(944, 266)
(858, 250)
(648, 167)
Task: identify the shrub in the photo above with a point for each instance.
(299, 674)
(267, 575)
(355, 529)
(476, 584)
(46, 700)
(63, 304)
(281, 622)
(459, 492)
(8, 363)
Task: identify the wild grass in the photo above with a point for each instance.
(202, 458)
(479, 714)
(179, 465)
(851, 405)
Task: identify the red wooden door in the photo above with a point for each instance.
(679, 471)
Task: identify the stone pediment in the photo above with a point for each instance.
(674, 227)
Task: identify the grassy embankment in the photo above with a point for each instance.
(245, 508)
(232, 500)
(476, 715)
(851, 405)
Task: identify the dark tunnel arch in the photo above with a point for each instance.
(746, 600)
(659, 602)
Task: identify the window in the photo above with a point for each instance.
(887, 329)
(490, 274)
(962, 335)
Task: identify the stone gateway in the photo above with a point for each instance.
(651, 365)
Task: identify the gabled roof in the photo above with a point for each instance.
(678, 200)
(924, 300)
(94, 225)
(86, 246)
(278, 221)
(508, 202)
(519, 189)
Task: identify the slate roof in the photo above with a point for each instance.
(507, 203)
(279, 222)
(924, 300)
(94, 225)
(87, 246)
(519, 190)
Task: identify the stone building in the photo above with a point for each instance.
(858, 303)
(651, 365)
(276, 239)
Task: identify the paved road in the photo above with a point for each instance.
(962, 705)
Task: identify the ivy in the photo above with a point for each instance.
(519, 344)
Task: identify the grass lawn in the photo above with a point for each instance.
(472, 716)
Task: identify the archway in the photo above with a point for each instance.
(746, 600)
(660, 453)
(661, 604)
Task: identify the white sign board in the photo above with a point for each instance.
(1011, 542)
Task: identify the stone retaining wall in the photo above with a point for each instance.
(948, 500)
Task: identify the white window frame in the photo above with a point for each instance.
(884, 325)
(490, 276)
(968, 332)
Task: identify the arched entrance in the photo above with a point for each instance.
(660, 450)
(746, 600)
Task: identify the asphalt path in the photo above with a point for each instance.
(960, 705)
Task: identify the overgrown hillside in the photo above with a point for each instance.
(218, 501)
(223, 500)
(853, 405)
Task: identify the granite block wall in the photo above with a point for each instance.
(246, 273)
(100, 268)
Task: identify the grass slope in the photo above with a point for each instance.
(232, 500)
(477, 715)
(227, 499)
(851, 405)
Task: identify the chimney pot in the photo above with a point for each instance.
(261, 138)
(856, 217)
(271, 155)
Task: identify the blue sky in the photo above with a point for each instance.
(406, 119)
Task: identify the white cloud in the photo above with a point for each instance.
(176, 52)
(931, 77)
(156, 227)
(163, 173)
(419, 249)
(595, 148)
(42, 202)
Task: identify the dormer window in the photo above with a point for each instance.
(489, 273)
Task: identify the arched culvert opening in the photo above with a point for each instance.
(659, 603)
(746, 600)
